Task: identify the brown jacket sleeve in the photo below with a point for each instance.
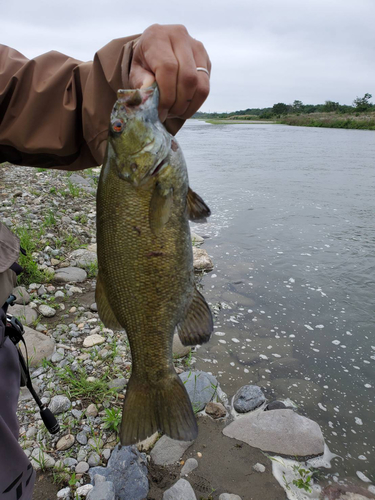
(54, 110)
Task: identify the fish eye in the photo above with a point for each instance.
(117, 125)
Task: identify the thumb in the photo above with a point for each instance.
(140, 77)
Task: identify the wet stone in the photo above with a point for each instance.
(189, 466)
(248, 398)
(215, 410)
(200, 386)
(169, 451)
(127, 470)
(275, 405)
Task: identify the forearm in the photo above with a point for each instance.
(54, 110)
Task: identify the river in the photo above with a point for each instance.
(292, 237)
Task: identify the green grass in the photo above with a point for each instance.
(331, 120)
(29, 241)
(112, 419)
(77, 386)
(73, 189)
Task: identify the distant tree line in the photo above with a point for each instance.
(360, 105)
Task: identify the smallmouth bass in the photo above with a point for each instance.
(145, 281)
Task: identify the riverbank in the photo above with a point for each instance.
(223, 121)
(322, 120)
(81, 369)
(331, 120)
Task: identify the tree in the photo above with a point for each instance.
(331, 106)
(297, 106)
(280, 109)
(362, 103)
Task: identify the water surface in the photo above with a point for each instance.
(293, 241)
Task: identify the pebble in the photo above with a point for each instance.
(200, 386)
(70, 275)
(94, 307)
(81, 437)
(91, 410)
(118, 384)
(215, 410)
(21, 294)
(59, 294)
(82, 491)
(64, 493)
(248, 398)
(94, 459)
(228, 496)
(92, 340)
(70, 462)
(59, 404)
(190, 465)
(47, 311)
(65, 442)
(82, 467)
(259, 467)
(182, 490)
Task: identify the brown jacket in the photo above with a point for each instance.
(54, 113)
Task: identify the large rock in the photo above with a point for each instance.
(127, 470)
(181, 490)
(283, 432)
(70, 275)
(201, 260)
(168, 451)
(103, 491)
(39, 346)
(21, 294)
(25, 314)
(200, 386)
(248, 398)
(84, 258)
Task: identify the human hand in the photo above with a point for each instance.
(169, 55)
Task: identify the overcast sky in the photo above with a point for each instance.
(262, 52)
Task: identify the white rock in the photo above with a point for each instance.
(201, 260)
(92, 340)
(47, 311)
(64, 493)
(259, 467)
(82, 491)
(229, 496)
(189, 466)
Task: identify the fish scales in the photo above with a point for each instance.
(146, 279)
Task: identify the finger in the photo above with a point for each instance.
(163, 64)
(203, 86)
(187, 78)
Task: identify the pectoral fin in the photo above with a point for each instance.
(104, 309)
(196, 207)
(198, 324)
(160, 209)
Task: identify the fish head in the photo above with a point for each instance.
(139, 142)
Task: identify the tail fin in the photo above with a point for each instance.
(162, 406)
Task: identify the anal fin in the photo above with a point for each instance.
(197, 326)
(196, 207)
(104, 309)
